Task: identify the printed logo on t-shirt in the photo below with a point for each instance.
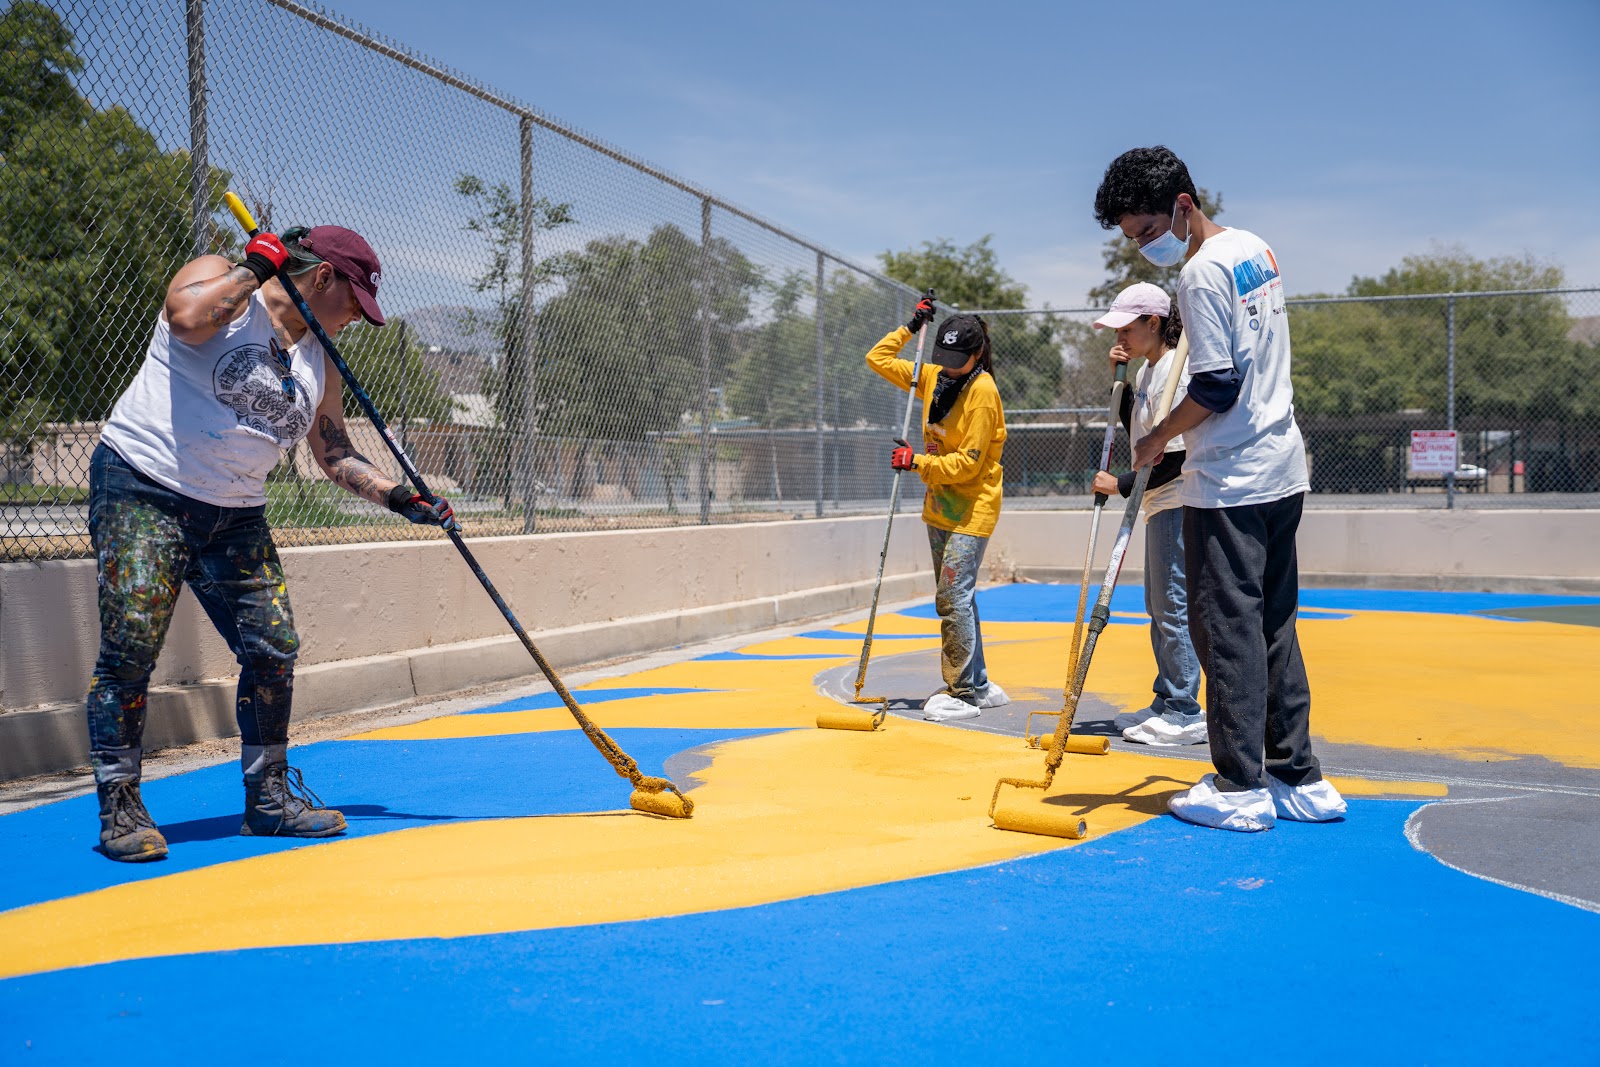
(244, 380)
(1254, 272)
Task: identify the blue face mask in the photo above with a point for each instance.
(1167, 250)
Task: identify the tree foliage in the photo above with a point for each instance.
(621, 345)
(94, 221)
(1027, 348)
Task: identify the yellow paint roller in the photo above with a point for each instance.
(856, 718)
(655, 796)
(1033, 816)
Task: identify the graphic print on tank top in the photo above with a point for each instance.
(247, 379)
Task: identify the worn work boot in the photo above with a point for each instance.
(278, 803)
(127, 833)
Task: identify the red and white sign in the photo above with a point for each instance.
(1434, 451)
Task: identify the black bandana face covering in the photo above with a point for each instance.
(947, 391)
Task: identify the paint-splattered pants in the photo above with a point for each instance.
(148, 541)
(956, 559)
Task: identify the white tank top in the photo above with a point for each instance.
(211, 420)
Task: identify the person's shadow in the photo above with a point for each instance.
(217, 827)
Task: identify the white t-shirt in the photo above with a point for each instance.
(1148, 387)
(210, 421)
(1231, 300)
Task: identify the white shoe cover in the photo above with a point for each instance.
(1128, 719)
(1159, 732)
(992, 696)
(1318, 801)
(1204, 805)
(942, 707)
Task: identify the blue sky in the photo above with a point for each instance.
(1347, 134)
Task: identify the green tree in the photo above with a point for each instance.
(388, 363)
(1027, 348)
(1125, 266)
(94, 221)
(497, 219)
(621, 345)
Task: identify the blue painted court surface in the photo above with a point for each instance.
(1160, 942)
(1138, 949)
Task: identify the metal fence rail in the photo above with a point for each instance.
(1514, 373)
(578, 339)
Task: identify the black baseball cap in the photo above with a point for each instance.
(957, 338)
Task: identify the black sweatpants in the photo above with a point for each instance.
(1244, 588)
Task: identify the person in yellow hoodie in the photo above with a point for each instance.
(963, 434)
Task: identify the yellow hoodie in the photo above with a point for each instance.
(962, 466)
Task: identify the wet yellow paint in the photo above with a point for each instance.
(1460, 686)
(811, 811)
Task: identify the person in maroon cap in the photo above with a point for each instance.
(232, 379)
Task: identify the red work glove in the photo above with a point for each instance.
(903, 458)
(423, 510)
(924, 312)
(264, 256)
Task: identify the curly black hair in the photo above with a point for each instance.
(1141, 181)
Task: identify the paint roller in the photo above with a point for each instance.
(847, 718)
(1119, 383)
(1030, 816)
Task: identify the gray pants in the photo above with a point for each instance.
(1244, 591)
(956, 559)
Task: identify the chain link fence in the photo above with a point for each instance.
(1516, 375)
(578, 340)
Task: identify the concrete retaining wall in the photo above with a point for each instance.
(384, 623)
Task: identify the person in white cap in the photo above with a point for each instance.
(1244, 484)
(1147, 325)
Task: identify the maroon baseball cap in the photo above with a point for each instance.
(347, 252)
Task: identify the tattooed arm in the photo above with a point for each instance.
(206, 295)
(338, 458)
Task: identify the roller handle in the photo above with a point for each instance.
(1119, 382)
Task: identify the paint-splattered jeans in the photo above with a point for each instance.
(956, 559)
(148, 541)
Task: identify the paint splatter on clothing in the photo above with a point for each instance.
(961, 461)
(148, 542)
(956, 560)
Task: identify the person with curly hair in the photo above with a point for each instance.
(1245, 479)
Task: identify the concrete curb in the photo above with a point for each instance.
(54, 737)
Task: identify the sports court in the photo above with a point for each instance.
(842, 894)
(351, 398)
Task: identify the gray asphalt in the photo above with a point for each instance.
(1530, 823)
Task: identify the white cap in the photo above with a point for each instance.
(1135, 302)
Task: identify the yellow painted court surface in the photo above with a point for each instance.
(800, 811)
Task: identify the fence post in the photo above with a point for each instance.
(199, 165)
(527, 485)
(1450, 396)
(822, 446)
(705, 361)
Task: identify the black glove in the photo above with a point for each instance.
(924, 313)
(423, 510)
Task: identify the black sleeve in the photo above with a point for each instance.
(1216, 390)
(1125, 413)
(1167, 468)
